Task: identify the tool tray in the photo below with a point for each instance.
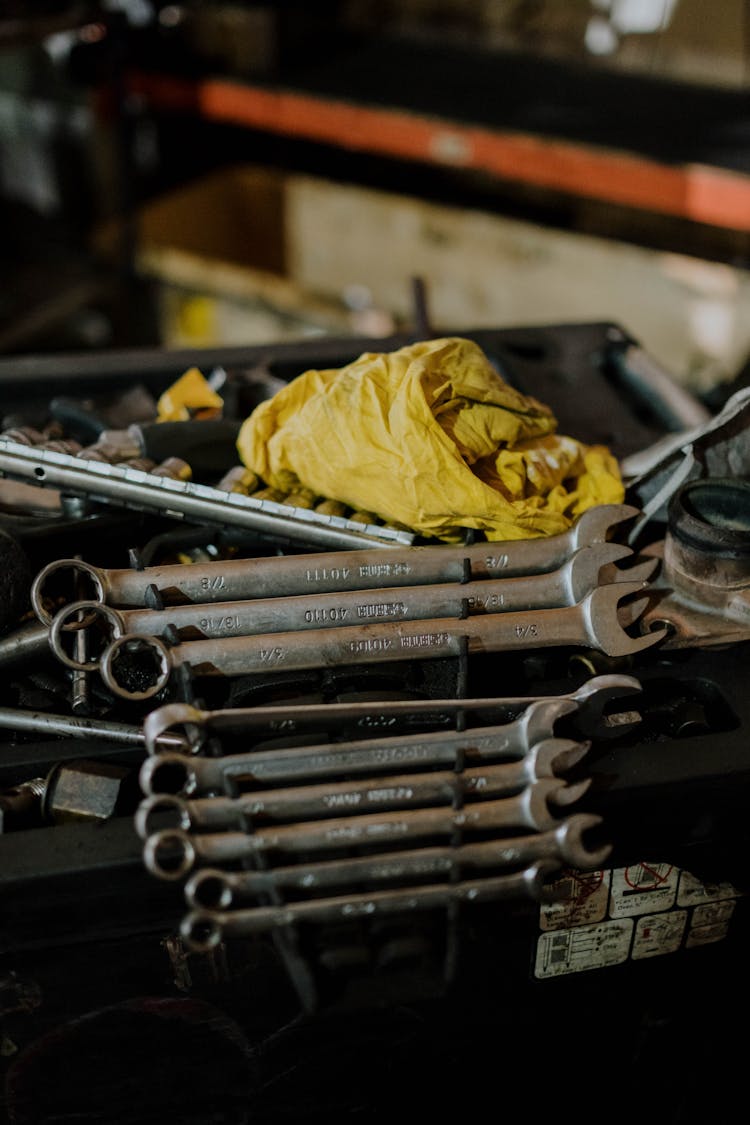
(350, 1020)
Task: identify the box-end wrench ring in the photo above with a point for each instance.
(81, 569)
(214, 889)
(82, 615)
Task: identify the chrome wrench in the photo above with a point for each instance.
(550, 758)
(240, 579)
(214, 889)
(172, 852)
(510, 741)
(181, 774)
(590, 700)
(565, 586)
(203, 930)
(591, 623)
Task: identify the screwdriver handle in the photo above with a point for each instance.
(209, 447)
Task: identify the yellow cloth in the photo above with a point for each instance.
(428, 436)
(189, 397)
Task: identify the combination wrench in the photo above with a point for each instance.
(171, 853)
(565, 586)
(318, 573)
(180, 774)
(566, 845)
(549, 758)
(591, 623)
(203, 930)
(589, 702)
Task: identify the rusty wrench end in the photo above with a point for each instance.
(536, 880)
(537, 799)
(551, 757)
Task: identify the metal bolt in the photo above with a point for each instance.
(19, 804)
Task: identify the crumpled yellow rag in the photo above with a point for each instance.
(429, 436)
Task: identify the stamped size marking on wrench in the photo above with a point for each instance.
(563, 587)
(241, 579)
(202, 930)
(592, 623)
(590, 701)
(214, 889)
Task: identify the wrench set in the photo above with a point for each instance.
(583, 600)
(442, 808)
(424, 820)
(257, 724)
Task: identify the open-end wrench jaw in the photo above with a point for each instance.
(582, 573)
(538, 802)
(642, 572)
(597, 524)
(570, 793)
(553, 757)
(571, 839)
(603, 624)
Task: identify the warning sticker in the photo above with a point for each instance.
(586, 947)
(656, 934)
(583, 929)
(705, 935)
(583, 900)
(642, 889)
(713, 912)
(693, 891)
(710, 922)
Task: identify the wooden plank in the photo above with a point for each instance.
(483, 270)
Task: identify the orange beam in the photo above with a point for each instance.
(697, 192)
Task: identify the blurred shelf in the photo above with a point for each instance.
(654, 146)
